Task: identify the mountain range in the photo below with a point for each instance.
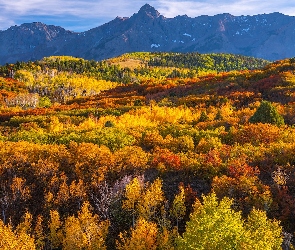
(267, 36)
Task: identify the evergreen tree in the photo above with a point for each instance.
(267, 113)
(218, 116)
(203, 117)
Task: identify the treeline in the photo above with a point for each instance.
(110, 70)
(218, 62)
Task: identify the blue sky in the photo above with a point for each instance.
(81, 15)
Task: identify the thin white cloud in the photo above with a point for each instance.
(81, 8)
(75, 15)
(213, 7)
(64, 10)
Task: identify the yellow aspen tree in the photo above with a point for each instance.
(25, 77)
(213, 225)
(74, 238)
(78, 192)
(166, 239)
(85, 231)
(10, 240)
(63, 194)
(39, 233)
(133, 193)
(178, 208)
(142, 237)
(261, 232)
(55, 230)
(152, 200)
(55, 126)
(19, 189)
(25, 227)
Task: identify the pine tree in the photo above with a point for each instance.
(267, 113)
(203, 117)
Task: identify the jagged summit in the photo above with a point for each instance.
(38, 26)
(149, 11)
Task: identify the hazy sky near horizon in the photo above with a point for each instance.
(81, 15)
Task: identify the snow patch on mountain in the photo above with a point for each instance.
(155, 45)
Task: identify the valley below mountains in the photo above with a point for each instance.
(267, 36)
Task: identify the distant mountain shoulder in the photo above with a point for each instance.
(267, 36)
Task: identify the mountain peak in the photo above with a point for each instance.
(149, 10)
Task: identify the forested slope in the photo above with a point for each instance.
(98, 155)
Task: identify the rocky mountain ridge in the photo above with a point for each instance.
(267, 36)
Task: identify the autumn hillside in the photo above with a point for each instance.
(148, 151)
